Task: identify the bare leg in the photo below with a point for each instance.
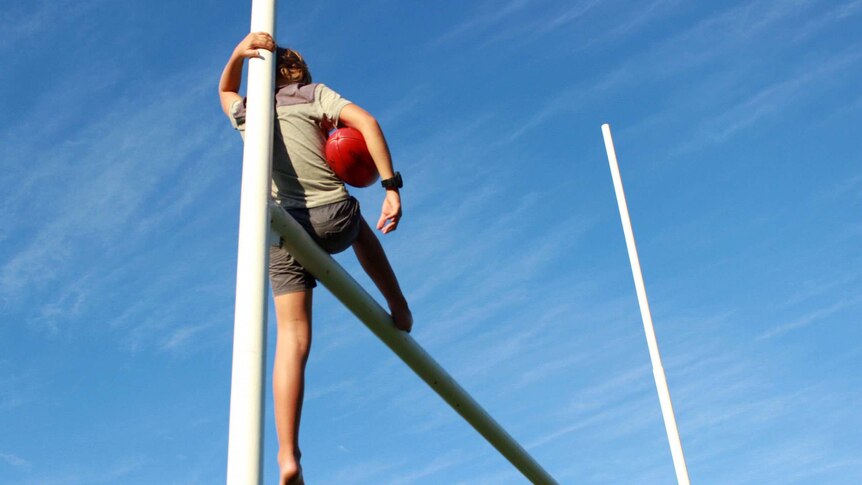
(293, 312)
(373, 260)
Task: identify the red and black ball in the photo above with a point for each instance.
(348, 157)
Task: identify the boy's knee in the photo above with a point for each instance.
(295, 343)
(302, 347)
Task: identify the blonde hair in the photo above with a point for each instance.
(290, 67)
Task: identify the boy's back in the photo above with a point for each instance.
(301, 177)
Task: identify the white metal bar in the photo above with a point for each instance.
(245, 439)
(358, 301)
(655, 357)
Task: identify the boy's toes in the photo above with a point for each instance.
(403, 318)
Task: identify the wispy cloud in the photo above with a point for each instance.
(438, 464)
(506, 475)
(831, 285)
(827, 17)
(179, 336)
(810, 318)
(316, 391)
(38, 17)
(175, 326)
(642, 14)
(546, 369)
(713, 39)
(15, 460)
(367, 471)
(771, 100)
(117, 182)
(490, 16)
(803, 457)
(17, 388)
(120, 170)
(850, 188)
(615, 421)
(405, 106)
(543, 19)
(572, 14)
(101, 473)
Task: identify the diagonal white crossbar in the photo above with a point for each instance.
(360, 303)
(652, 343)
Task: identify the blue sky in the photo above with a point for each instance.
(737, 128)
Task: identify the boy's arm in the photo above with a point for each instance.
(231, 77)
(356, 117)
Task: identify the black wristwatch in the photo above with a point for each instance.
(393, 183)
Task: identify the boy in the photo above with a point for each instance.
(307, 188)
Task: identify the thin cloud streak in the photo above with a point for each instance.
(481, 22)
(17, 23)
(436, 465)
(180, 337)
(105, 473)
(809, 318)
(735, 27)
(16, 389)
(769, 101)
(15, 460)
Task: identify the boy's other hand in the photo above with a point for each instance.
(249, 46)
(391, 212)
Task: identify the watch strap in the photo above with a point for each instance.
(393, 183)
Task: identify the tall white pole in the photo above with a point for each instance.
(655, 357)
(245, 439)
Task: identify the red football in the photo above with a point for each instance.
(348, 157)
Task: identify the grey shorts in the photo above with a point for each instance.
(334, 227)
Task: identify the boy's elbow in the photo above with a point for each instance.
(371, 122)
(356, 117)
(227, 99)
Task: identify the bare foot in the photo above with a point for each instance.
(290, 472)
(401, 315)
(291, 475)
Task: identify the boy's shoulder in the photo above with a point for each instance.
(293, 94)
(317, 97)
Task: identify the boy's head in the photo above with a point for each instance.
(290, 67)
